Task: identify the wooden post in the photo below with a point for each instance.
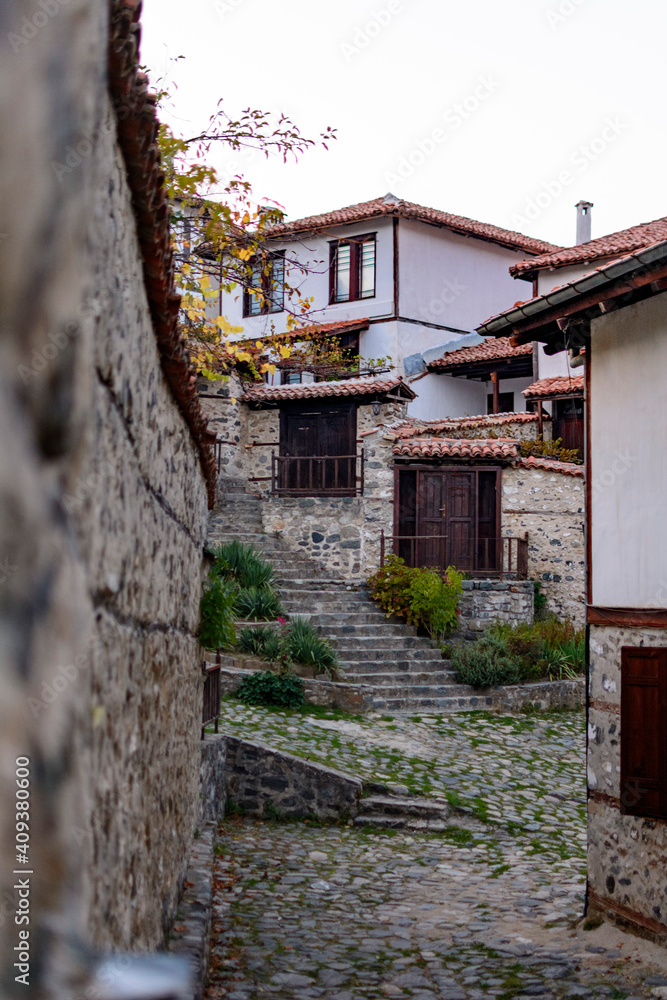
(496, 392)
(540, 421)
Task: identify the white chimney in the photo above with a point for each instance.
(583, 221)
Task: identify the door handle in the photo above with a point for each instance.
(443, 511)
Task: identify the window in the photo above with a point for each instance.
(318, 448)
(265, 290)
(505, 402)
(643, 727)
(352, 269)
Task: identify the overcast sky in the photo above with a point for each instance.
(507, 112)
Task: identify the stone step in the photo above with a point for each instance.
(413, 694)
(398, 666)
(399, 679)
(394, 659)
(382, 642)
(395, 805)
(464, 700)
(344, 617)
(365, 629)
(388, 822)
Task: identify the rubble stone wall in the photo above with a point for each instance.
(484, 602)
(627, 854)
(550, 507)
(104, 516)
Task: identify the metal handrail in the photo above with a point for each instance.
(514, 567)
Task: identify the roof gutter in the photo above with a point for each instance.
(585, 286)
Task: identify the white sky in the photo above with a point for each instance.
(550, 76)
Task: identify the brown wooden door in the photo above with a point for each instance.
(460, 518)
(431, 520)
(320, 442)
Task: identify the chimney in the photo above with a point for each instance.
(583, 221)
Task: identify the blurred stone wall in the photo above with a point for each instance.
(102, 519)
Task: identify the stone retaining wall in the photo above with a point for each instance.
(357, 699)
(484, 602)
(262, 781)
(550, 506)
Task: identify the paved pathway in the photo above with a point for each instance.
(487, 909)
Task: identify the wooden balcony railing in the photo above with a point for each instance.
(504, 558)
(317, 475)
(212, 694)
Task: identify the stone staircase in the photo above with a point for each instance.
(396, 809)
(403, 669)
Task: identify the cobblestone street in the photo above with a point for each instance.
(489, 908)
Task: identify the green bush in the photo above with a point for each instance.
(253, 640)
(305, 645)
(421, 596)
(549, 449)
(243, 563)
(484, 664)
(281, 690)
(514, 654)
(257, 604)
(216, 628)
(539, 599)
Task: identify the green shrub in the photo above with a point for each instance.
(253, 640)
(281, 690)
(484, 664)
(549, 449)
(242, 563)
(257, 604)
(216, 628)
(539, 599)
(421, 596)
(305, 645)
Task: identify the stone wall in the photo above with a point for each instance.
(484, 602)
(104, 512)
(627, 854)
(550, 507)
(262, 781)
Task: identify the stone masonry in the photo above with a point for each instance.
(104, 510)
(550, 507)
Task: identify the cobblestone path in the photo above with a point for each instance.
(490, 908)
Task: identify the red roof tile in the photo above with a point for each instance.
(432, 447)
(379, 207)
(492, 350)
(137, 125)
(413, 427)
(613, 245)
(328, 329)
(551, 465)
(319, 390)
(563, 385)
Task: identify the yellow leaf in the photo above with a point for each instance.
(285, 351)
(233, 399)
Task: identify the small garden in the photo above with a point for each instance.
(547, 650)
(422, 597)
(240, 595)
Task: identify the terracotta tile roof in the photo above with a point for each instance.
(493, 349)
(137, 126)
(413, 427)
(328, 329)
(320, 390)
(613, 245)
(551, 465)
(432, 447)
(379, 207)
(563, 385)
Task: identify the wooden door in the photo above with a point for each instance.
(300, 442)
(460, 519)
(431, 520)
(320, 442)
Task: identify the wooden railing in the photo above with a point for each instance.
(212, 693)
(493, 558)
(318, 475)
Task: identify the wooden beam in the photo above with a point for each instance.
(496, 392)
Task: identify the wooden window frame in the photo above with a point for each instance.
(274, 298)
(355, 243)
(633, 798)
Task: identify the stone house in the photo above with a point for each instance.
(346, 477)
(618, 314)
(106, 475)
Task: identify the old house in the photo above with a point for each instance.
(390, 279)
(617, 314)
(106, 472)
(346, 477)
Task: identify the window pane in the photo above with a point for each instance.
(367, 273)
(276, 291)
(343, 272)
(255, 283)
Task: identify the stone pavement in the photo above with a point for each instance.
(489, 908)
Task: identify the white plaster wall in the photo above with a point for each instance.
(554, 365)
(445, 396)
(628, 466)
(313, 251)
(550, 278)
(452, 280)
